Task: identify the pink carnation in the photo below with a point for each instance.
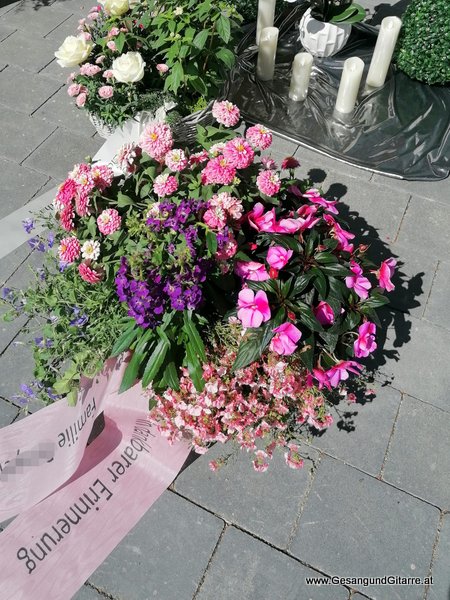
(81, 100)
(112, 45)
(109, 221)
(74, 89)
(259, 136)
(108, 74)
(254, 271)
(285, 340)
(88, 274)
(176, 160)
(218, 170)
(89, 69)
(324, 313)
(239, 153)
(106, 91)
(157, 140)
(162, 68)
(165, 185)
(278, 257)
(268, 182)
(365, 344)
(69, 249)
(253, 308)
(226, 113)
(113, 32)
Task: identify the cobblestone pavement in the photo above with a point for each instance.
(372, 501)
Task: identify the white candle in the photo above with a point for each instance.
(384, 49)
(301, 73)
(349, 86)
(265, 66)
(266, 16)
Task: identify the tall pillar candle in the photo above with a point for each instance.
(266, 16)
(384, 49)
(265, 67)
(301, 73)
(349, 86)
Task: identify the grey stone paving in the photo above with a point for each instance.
(373, 498)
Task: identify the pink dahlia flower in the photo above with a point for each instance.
(69, 249)
(290, 162)
(231, 205)
(102, 176)
(324, 313)
(253, 308)
(176, 160)
(239, 153)
(228, 250)
(259, 137)
(365, 344)
(268, 182)
(66, 218)
(278, 257)
(357, 281)
(157, 140)
(226, 113)
(88, 274)
(384, 274)
(215, 217)
(218, 170)
(109, 221)
(165, 185)
(66, 192)
(285, 340)
(127, 156)
(254, 271)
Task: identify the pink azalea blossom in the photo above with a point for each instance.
(106, 91)
(226, 113)
(293, 458)
(176, 160)
(157, 140)
(218, 170)
(260, 463)
(239, 153)
(324, 313)
(81, 99)
(254, 271)
(89, 70)
(285, 340)
(357, 281)
(69, 249)
(109, 221)
(165, 185)
(340, 371)
(253, 308)
(90, 275)
(365, 344)
(259, 137)
(314, 196)
(268, 182)
(162, 68)
(384, 274)
(278, 257)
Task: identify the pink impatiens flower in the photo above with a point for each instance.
(254, 271)
(239, 153)
(165, 184)
(314, 196)
(69, 249)
(324, 313)
(384, 274)
(365, 344)
(253, 308)
(340, 234)
(226, 113)
(109, 221)
(285, 339)
(357, 281)
(268, 182)
(260, 220)
(278, 257)
(259, 136)
(340, 371)
(157, 140)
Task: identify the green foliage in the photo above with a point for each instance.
(423, 49)
(249, 9)
(337, 11)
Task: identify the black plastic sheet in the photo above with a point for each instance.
(401, 129)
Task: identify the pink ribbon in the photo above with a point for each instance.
(52, 547)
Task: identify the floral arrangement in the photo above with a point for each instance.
(236, 287)
(138, 56)
(337, 11)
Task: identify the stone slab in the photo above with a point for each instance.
(54, 71)
(419, 455)
(60, 110)
(18, 362)
(8, 412)
(246, 569)
(18, 184)
(35, 18)
(11, 262)
(432, 190)
(5, 31)
(57, 155)
(26, 51)
(59, 34)
(78, 7)
(320, 167)
(23, 134)
(231, 492)
(164, 556)
(360, 437)
(440, 590)
(25, 91)
(88, 593)
(356, 526)
(436, 309)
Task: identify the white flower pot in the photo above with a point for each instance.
(103, 129)
(322, 39)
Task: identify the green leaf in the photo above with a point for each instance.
(310, 242)
(123, 200)
(325, 258)
(352, 14)
(320, 282)
(72, 397)
(211, 242)
(134, 366)
(170, 376)
(226, 56)
(199, 85)
(301, 283)
(336, 269)
(306, 316)
(224, 28)
(375, 301)
(126, 339)
(177, 74)
(306, 352)
(269, 285)
(120, 41)
(201, 39)
(156, 359)
(287, 241)
(194, 368)
(256, 340)
(330, 339)
(193, 336)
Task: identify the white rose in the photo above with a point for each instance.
(128, 68)
(116, 7)
(73, 51)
